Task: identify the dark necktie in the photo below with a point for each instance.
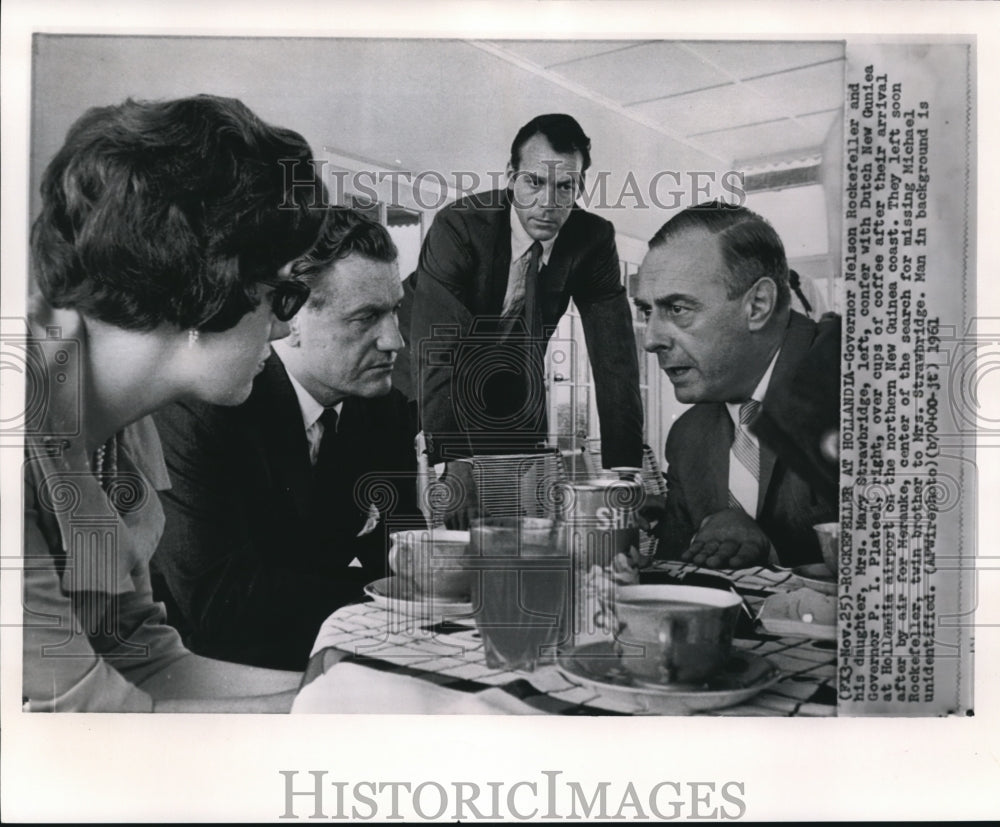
(328, 442)
(334, 512)
(532, 312)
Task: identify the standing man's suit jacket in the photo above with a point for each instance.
(798, 488)
(459, 288)
(250, 563)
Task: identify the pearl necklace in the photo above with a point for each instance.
(105, 462)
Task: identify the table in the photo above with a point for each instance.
(447, 653)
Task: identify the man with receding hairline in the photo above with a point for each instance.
(746, 478)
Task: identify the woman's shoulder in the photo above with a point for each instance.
(142, 441)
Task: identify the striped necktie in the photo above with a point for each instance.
(744, 462)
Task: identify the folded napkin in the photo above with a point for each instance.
(352, 688)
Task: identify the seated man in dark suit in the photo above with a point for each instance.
(280, 507)
(747, 474)
(496, 273)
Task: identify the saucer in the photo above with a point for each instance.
(393, 593)
(598, 666)
(817, 577)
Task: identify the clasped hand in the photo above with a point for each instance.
(728, 539)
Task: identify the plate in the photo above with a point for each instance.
(393, 593)
(817, 577)
(598, 666)
(786, 614)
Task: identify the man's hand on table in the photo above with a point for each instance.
(728, 539)
(463, 498)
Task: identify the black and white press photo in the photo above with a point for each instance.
(371, 385)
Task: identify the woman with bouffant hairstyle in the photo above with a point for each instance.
(161, 260)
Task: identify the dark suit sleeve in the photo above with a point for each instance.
(399, 468)
(607, 326)
(440, 286)
(221, 556)
(796, 416)
(676, 528)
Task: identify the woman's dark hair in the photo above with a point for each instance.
(173, 212)
(345, 231)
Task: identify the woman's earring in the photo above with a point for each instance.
(193, 334)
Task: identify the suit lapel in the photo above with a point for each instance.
(555, 273)
(767, 459)
(356, 458)
(717, 457)
(284, 434)
(711, 447)
(798, 337)
(499, 251)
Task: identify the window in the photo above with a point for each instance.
(791, 195)
(404, 226)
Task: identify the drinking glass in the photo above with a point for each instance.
(520, 590)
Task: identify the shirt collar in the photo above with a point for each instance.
(311, 409)
(520, 241)
(758, 393)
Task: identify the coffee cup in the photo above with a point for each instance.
(431, 562)
(674, 634)
(829, 543)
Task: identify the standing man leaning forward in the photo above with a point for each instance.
(746, 478)
(279, 509)
(496, 273)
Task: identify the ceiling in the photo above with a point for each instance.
(454, 105)
(731, 100)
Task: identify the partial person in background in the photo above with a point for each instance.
(161, 257)
(280, 508)
(747, 475)
(806, 298)
(496, 273)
